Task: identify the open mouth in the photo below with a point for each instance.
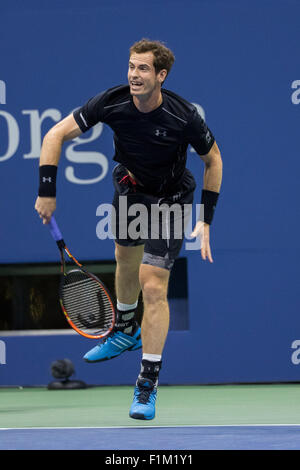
(136, 84)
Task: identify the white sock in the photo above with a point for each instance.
(151, 357)
(125, 307)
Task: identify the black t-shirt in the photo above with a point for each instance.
(153, 146)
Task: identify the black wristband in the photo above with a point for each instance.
(47, 186)
(209, 199)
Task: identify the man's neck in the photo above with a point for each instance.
(149, 104)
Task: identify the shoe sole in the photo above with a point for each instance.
(132, 348)
(140, 416)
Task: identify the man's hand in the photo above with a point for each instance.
(45, 206)
(201, 230)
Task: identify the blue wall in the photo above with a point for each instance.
(239, 61)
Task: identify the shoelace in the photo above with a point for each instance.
(109, 337)
(144, 394)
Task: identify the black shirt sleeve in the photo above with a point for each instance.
(198, 134)
(91, 112)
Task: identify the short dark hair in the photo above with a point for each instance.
(163, 56)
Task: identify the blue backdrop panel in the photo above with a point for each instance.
(237, 60)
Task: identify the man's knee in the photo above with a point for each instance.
(153, 292)
(154, 283)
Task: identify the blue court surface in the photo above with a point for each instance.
(281, 437)
(245, 417)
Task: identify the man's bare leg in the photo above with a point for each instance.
(155, 325)
(127, 287)
(127, 284)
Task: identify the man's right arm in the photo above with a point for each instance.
(65, 130)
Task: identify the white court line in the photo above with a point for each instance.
(153, 427)
(62, 332)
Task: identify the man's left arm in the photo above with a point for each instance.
(211, 188)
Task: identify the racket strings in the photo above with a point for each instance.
(86, 302)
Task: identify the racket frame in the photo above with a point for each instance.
(63, 248)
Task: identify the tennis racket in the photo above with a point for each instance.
(84, 299)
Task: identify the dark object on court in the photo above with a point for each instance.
(63, 369)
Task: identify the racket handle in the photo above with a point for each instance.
(55, 232)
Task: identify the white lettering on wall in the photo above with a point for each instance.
(296, 354)
(2, 352)
(13, 135)
(2, 92)
(36, 121)
(295, 97)
(72, 154)
(77, 156)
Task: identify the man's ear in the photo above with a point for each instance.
(162, 75)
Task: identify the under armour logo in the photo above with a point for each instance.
(47, 180)
(158, 133)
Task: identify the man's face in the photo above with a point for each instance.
(142, 76)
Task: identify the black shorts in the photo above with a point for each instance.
(156, 222)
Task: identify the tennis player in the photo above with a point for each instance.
(152, 130)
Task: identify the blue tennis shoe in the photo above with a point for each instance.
(143, 405)
(114, 345)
